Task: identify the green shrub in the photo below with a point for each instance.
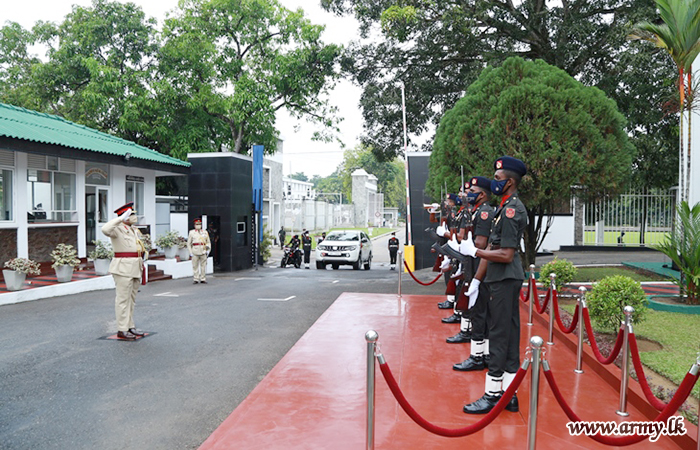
(608, 298)
(265, 245)
(564, 269)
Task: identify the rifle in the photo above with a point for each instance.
(468, 268)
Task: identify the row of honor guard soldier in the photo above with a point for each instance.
(393, 246)
(199, 246)
(492, 294)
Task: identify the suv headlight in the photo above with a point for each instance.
(321, 247)
(352, 247)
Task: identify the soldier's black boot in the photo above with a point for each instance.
(487, 360)
(512, 405)
(460, 338)
(454, 318)
(470, 364)
(446, 305)
(492, 395)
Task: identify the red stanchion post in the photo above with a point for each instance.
(552, 319)
(580, 304)
(625, 362)
(531, 292)
(536, 342)
(371, 337)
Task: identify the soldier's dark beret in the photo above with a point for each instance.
(482, 182)
(510, 163)
(454, 198)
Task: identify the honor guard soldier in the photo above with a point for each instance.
(502, 272)
(478, 194)
(448, 225)
(393, 250)
(126, 267)
(321, 239)
(306, 244)
(282, 234)
(199, 245)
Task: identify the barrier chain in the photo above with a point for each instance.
(544, 303)
(557, 316)
(651, 398)
(594, 345)
(678, 399)
(408, 269)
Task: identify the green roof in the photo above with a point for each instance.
(21, 123)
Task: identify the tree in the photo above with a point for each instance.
(438, 48)
(300, 176)
(679, 34)
(390, 175)
(16, 64)
(226, 67)
(566, 133)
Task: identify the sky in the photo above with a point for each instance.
(301, 154)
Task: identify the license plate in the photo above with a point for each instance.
(333, 253)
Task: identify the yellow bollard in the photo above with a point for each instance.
(409, 255)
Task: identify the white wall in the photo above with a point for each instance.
(560, 233)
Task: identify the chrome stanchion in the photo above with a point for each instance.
(536, 344)
(579, 351)
(552, 319)
(371, 337)
(625, 362)
(531, 294)
(399, 257)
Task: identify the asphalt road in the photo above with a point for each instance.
(62, 387)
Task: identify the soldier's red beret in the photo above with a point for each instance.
(122, 209)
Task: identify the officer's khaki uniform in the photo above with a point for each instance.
(127, 272)
(199, 246)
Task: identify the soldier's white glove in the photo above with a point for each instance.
(473, 292)
(445, 263)
(441, 230)
(467, 246)
(125, 215)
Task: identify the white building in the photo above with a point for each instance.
(60, 182)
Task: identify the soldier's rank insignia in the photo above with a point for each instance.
(484, 215)
(510, 213)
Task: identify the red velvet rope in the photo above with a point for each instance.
(417, 280)
(574, 320)
(651, 398)
(448, 432)
(531, 287)
(621, 441)
(545, 303)
(594, 345)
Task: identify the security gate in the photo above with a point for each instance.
(632, 219)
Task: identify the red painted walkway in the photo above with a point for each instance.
(315, 398)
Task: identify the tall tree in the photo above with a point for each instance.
(566, 133)
(16, 63)
(390, 175)
(679, 34)
(438, 48)
(234, 63)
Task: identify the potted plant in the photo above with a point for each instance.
(168, 243)
(65, 260)
(16, 271)
(102, 256)
(183, 252)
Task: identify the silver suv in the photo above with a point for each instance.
(344, 247)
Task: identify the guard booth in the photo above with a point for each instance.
(418, 171)
(221, 192)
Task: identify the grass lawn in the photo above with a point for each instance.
(589, 274)
(630, 237)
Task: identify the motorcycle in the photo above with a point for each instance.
(291, 257)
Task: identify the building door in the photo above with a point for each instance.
(102, 215)
(90, 215)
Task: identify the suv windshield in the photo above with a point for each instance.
(349, 236)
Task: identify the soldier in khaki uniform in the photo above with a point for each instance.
(126, 267)
(199, 246)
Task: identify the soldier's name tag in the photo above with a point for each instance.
(510, 213)
(484, 215)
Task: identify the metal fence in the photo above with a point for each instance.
(632, 219)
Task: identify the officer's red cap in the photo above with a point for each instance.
(510, 163)
(122, 209)
(197, 220)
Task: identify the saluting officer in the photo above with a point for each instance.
(126, 267)
(393, 250)
(502, 272)
(478, 194)
(199, 245)
(306, 243)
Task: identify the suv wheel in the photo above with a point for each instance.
(357, 264)
(368, 264)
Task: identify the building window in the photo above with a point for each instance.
(134, 193)
(6, 212)
(51, 196)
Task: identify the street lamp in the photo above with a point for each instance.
(405, 155)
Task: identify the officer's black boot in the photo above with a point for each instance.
(512, 405)
(447, 304)
(487, 360)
